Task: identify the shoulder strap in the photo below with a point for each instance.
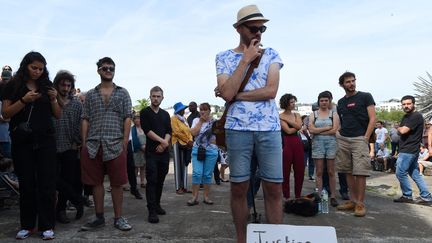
(315, 116)
(254, 64)
(331, 116)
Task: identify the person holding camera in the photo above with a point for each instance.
(204, 154)
(30, 101)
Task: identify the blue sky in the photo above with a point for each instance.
(173, 43)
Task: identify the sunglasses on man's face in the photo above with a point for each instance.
(107, 69)
(255, 29)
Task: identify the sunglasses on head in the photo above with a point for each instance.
(255, 29)
(107, 69)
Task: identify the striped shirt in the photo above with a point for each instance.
(106, 121)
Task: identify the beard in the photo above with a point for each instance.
(246, 40)
(408, 109)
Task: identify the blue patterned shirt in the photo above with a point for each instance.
(251, 115)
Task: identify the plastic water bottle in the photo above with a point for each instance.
(319, 201)
(324, 201)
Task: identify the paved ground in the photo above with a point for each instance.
(385, 222)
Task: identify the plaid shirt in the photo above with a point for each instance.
(67, 127)
(106, 122)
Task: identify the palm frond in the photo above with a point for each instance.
(423, 94)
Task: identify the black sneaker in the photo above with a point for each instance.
(136, 193)
(88, 202)
(79, 209)
(97, 223)
(345, 196)
(403, 199)
(153, 218)
(160, 210)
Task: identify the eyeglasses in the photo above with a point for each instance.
(7, 68)
(255, 29)
(107, 69)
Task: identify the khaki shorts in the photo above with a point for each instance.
(352, 156)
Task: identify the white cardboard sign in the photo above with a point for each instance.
(282, 233)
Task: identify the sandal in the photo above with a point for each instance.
(208, 202)
(225, 180)
(192, 202)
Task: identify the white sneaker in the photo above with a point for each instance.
(23, 234)
(48, 235)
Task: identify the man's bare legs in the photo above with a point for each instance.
(117, 199)
(357, 187)
(239, 208)
(273, 202)
(98, 197)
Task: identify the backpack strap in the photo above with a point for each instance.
(315, 116)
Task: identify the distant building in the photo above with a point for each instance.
(304, 109)
(390, 105)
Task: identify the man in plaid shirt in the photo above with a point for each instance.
(105, 128)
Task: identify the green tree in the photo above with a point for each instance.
(389, 116)
(423, 95)
(142, 103)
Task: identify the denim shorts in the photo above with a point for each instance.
(324, 147)
(266, 146)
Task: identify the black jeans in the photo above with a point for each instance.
(68, 179)
(131, 168)
(35, 165)
(156, 170)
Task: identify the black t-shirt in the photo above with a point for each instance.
(410, 142)
(353, 114)
(41, 115)
(159, 123)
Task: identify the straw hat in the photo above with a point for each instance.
(249, 13)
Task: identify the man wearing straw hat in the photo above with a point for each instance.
(252, 125)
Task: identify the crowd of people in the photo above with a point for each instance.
(63, 142)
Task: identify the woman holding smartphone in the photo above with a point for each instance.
(30, 102)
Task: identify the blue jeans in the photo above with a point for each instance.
(202, 171)
(309, 162)
(407, 165)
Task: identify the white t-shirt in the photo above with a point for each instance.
(381, 134)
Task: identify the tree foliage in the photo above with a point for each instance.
(142, 103)
(423, 89)
(389, 116)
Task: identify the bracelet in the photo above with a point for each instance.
(22, 101)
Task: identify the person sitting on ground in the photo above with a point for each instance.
(7, 174)
(382, 156)
(423, 159)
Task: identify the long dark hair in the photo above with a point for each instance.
(22, 75)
